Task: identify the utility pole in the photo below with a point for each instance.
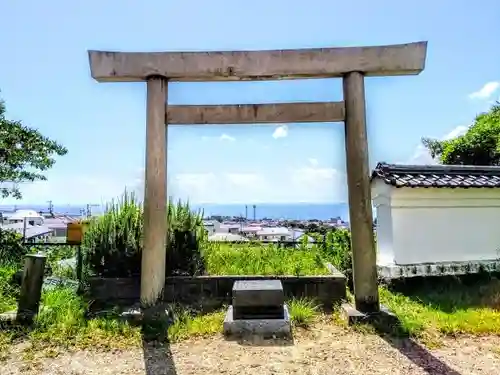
(24, 229)
(89, 209)
(51, 208)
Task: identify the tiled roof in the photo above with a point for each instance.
(450, 176)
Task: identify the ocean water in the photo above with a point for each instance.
(292, 211)
(302, 211)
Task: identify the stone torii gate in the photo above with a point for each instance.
(351, 64)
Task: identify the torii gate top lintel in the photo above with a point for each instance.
(391, 60)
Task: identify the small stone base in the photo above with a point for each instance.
(276, 328)
(14, 318)
(8, 319)
(135, 314)
(384, 316)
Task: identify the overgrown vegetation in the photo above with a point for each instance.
(8, 292)
(113, 242)
(303, 312)
(62, 323)
(11, 247)
(262, 259)
(337, 251)
(446, 305)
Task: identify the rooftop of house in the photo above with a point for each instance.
(21, 214)
(57, 222)
(230, 225)
(274, 231)
(251, 229)
(31, 230)
(227, 237)
(438, 176)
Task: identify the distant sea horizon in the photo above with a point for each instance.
(287, 211)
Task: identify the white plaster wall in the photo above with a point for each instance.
(381, 196)
(438, 225)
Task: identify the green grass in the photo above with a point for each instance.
(261, 259)
(8, 293)
(303, 312)
(429, 311)
(61, 324)
(448, 308)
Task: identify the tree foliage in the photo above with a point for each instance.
(24, 154)
(479, 146)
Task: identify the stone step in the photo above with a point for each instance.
(258, 312)
(265, 328)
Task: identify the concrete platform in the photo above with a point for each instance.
(394, 271)
(262, 327)
(354, 316)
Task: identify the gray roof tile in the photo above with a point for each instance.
(449, 176)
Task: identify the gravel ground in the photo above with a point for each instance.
(324, 350)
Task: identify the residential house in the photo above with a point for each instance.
(233, 228)
(211, 226)
(32, 217)
(274, 234)
(30, 233)
(58, 224)
(251, 230)
(227, 237)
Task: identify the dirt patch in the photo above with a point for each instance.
(326, 349)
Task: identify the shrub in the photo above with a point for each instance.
(303, 312)
(112, 244)
(12, 249)
(338, 252)
(9, 291)
(184, 237)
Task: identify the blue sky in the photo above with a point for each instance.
(46, 83)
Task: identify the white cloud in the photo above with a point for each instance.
(421, 156)
(457, 132)
(244, 178)
(225, 137)
(320, 182)
(69, 189)
(222, 137)
(280, 132)
(486, 91)
(303, 184)
(195, 180)
(309, 182)
(313, 162)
